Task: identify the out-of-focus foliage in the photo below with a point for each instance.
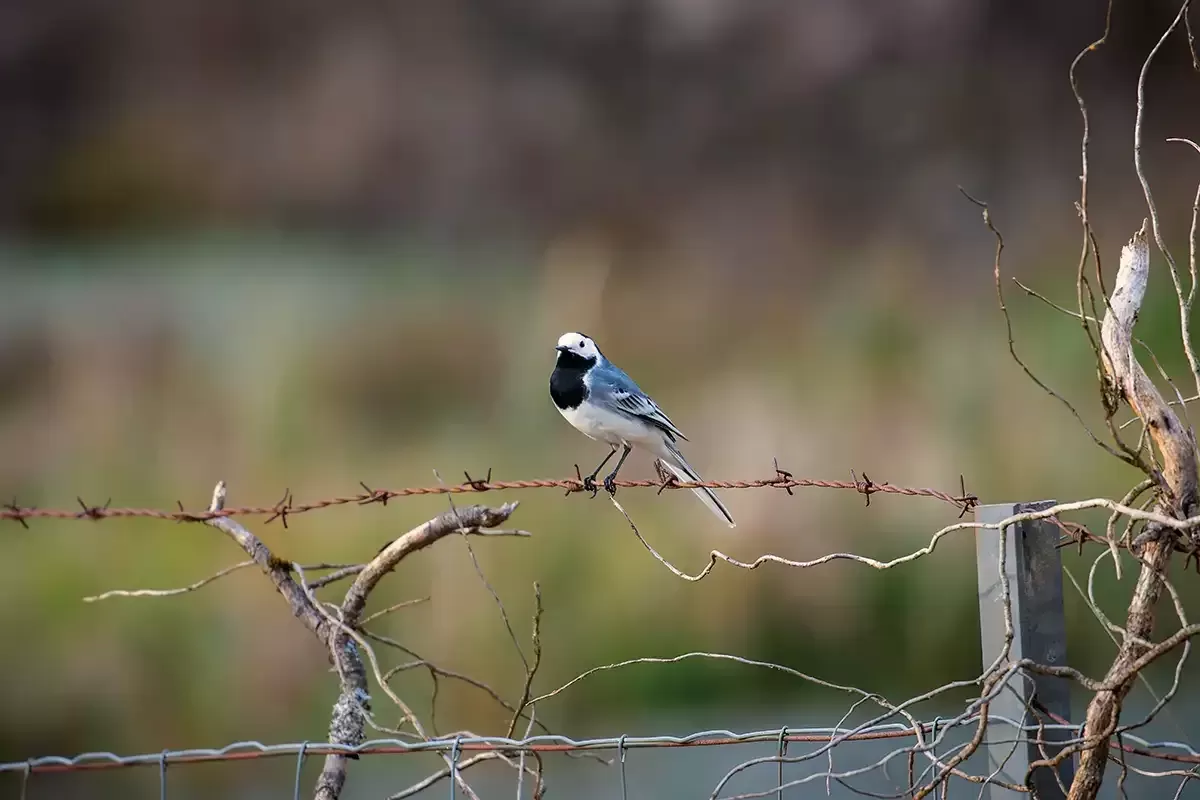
(298, 245)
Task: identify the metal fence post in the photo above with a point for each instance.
(1034, 568)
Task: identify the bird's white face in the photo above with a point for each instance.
(579, 345)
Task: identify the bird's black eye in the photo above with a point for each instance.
(580, 344)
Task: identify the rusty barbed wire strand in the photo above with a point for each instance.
(288, 507)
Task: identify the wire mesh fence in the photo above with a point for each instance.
(1012, 737)
(892, 751)
(871, 760)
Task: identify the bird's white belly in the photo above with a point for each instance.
(610, 426)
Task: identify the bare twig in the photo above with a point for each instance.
(1187, 303)
(468, 519)
(715, 556)
(1089, 237)
(512, 635)
(350, 713)
(1178, 491)
(278, 571)
(390, 609)
(1184, 301)
(338, 575)
(198, 584)
(333, 777)
(1126, 456)
(169, 592)
(441, 775)
(530, 668)
(715, 657)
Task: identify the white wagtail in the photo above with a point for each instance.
(604, 403)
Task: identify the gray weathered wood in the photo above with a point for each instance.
(1034, 569)
(1179, 496)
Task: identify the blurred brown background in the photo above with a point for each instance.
(292, 244)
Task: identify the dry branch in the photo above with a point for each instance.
(469, 520)
(1177, 485)
(1134, 386)
(191, 587)
(278, 571)
(349, 717)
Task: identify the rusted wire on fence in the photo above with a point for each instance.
(287, 507)
(504, 747)
(241, 751)
(549, 743)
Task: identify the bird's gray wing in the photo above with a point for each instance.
(611, 387)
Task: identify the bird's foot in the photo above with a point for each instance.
(610, 484)
(588, 482)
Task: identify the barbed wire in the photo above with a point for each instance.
(1093, 744)
(287, 506)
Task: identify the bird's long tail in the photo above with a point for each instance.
(674, 461)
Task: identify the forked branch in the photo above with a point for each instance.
(1177, 487)
(349, 716)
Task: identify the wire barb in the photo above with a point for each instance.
(783, 478)
(92, 512)
(16, 513)
(288, 507)
(867, 487)
(380, 496)
(476, 484)
(968, 501)
(282, 509)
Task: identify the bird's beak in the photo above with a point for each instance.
(562, 348)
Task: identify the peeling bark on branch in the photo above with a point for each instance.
(1172, 439)
(1177, 486)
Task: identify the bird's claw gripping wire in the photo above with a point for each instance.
(587, 483)
(610, 480)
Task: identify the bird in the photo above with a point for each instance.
(604, 404)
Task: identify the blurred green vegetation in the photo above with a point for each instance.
(145, 373)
